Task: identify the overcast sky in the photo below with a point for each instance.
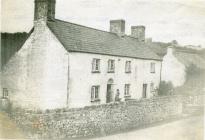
(165, 20)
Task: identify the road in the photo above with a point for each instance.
(186, 129)
(8, 129)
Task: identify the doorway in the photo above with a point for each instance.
(144, 92)
(109, 95)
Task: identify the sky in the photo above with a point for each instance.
(165, 20)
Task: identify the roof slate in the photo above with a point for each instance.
(186, 56)
(190, 58)
(78, 38)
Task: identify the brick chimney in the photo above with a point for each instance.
(117, 26)
(44, 10)
(138, 32)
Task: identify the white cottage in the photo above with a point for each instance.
(177, 60)
(63, 64)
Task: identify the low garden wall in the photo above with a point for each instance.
(97, 120)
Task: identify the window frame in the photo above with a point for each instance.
(128, 67)
(95, 62)
(152, 67)
(127, 90)
(95, 97)
(5, 93)
(111, 66)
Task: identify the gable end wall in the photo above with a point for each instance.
(37, 75)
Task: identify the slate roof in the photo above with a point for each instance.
(190, 57)
(78, 38)
(186, 56)
(159, 48)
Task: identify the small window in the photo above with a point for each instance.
(152, 68)
(95, 93)
(5, 93)
(128, 67)
(127, 89)
(111, 65)
(152, 87)
(96, 65)
(144, 91)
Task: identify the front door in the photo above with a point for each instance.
(109, 93)
(144, 92)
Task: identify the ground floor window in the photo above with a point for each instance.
(127, 89)
(5, 93)
(95, 93)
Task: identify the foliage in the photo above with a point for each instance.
(195, 81)
(193, 70)
(165, 88)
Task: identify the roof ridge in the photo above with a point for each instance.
(82, 25)
(92, 28)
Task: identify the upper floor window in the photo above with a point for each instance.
(127, 89)
(128, 66)
(96, 65)
(111, 65)
(95, 93)
(152, 67)
(5, 93)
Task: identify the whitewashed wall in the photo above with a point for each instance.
(172, 69)
(82, 78)
(43, 75)
(36, 76)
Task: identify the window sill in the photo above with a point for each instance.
(95, 100)
(4, 98)
(95, 71)
(128, 72)
(111, 72)
(127, 97)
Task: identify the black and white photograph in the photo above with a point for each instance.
(102, 69)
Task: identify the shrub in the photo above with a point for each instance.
(195, 81)
(165, 88)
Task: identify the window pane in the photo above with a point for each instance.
(127, 89)
(96, 65)
(111, 65)
(152, 67)
(92, 93)
(96, 92)
(128, 66)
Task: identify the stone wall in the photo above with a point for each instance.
(97, 120)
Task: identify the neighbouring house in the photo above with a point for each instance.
(63, 64)
(176, 60)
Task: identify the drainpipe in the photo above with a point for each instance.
(160, 72)
(68, 83)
